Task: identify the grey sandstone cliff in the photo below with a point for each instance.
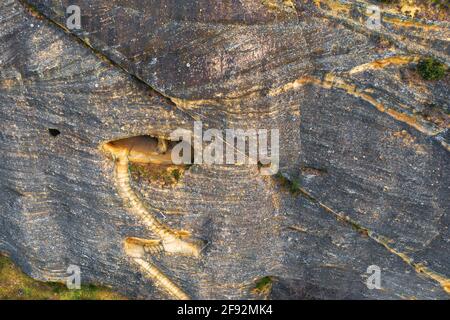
(366, 137)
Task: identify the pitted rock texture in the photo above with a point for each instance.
(364, 134)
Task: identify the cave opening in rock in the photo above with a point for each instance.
(144, 149)
(141, 149)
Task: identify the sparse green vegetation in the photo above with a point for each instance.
(363, 231)
(292, 185)
(431, 69)
(156, 173)
(263, 282)
(15, 285)
(176, 174)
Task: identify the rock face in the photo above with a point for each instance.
(366, 137)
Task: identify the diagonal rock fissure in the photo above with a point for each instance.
(172, 101)
(443, 281)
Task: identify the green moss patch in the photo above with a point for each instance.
(15, 285)
(263, 286)
(431, 69)
(292, 185)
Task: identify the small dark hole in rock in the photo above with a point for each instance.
(54, 132)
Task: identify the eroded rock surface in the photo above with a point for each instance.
(355, 128)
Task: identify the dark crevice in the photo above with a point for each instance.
(30, 8)
(54, 132)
